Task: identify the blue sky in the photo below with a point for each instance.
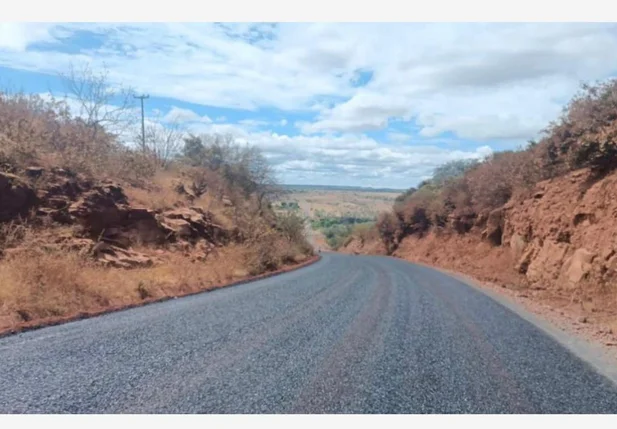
(346, 104)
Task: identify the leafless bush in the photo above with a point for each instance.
(43, 132)
(163, 140)
(101, 105)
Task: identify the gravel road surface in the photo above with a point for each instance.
(350, 334)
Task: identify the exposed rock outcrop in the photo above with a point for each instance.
(16, 197)
(191, 223)
(570, 229)
(562, 237)
(494, 227)
(117, 257)
(108, 224)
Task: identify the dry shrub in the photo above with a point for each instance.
(199, 180)
(291, 226)
(266, 254)
(27, 124)
(497, 179)
(415, 212)
(365, 232)
(129, 166)
(586, 134)
(456, 196)
(389, 228)
(480, 187)
(35, 131)
(271, 242)
(268, 248)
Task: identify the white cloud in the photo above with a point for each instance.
(497, 83)
(180, 115)
(365, 111)
(484, 152)
(346, 159)
(17, 36)
(415, 66)
(411, 63)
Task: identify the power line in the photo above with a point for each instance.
(143, 127)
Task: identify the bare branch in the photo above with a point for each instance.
(99, 104)
(163, 140)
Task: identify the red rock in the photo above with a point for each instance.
(16, 197)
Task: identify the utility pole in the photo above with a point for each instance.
(143, 127)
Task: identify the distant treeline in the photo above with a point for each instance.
(330, 221)
(290, 205)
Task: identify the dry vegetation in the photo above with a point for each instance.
(87, 223)
(541, 218)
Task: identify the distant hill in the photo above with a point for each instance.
(338, 188)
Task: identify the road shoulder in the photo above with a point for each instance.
(601, 357)
(52, 321)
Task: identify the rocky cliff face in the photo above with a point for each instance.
(107, 225)
(566, 235)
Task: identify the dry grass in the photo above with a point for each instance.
(60, 284)
(12, 233)
(158, 195)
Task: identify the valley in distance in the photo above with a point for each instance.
(333, 213)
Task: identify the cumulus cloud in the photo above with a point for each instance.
(482, 82)
(488, 83)
(364, 112)
(289, 66)
(180, 115)
(17, 36)
(348, 159)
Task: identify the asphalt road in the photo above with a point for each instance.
(350, 334)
